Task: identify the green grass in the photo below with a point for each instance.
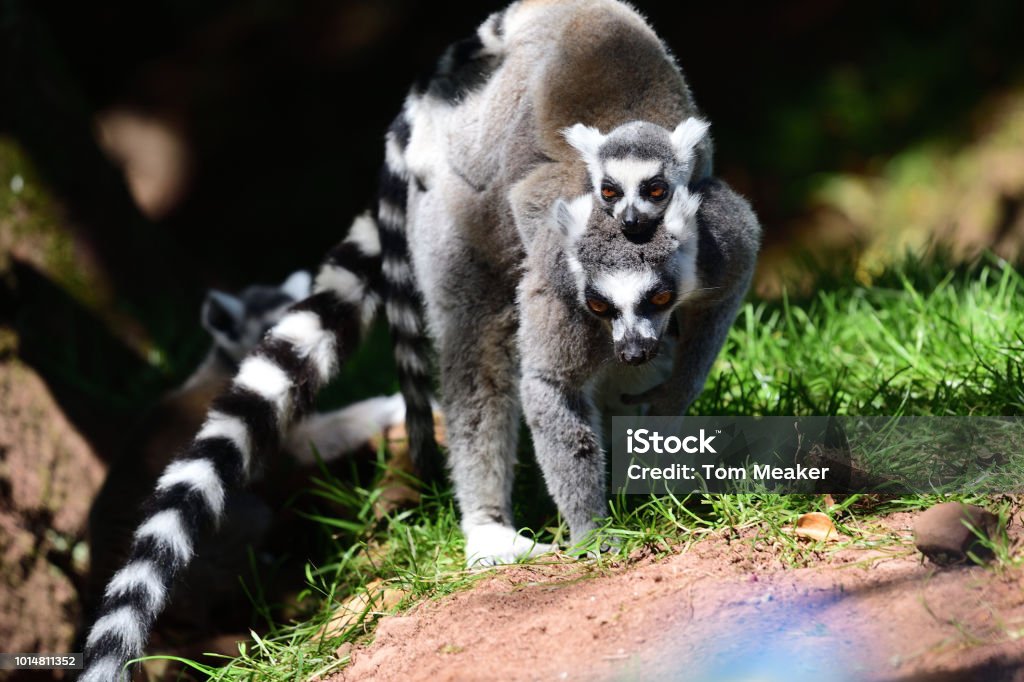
(418, 553)
(924, 339)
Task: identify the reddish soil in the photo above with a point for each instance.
(724, 609)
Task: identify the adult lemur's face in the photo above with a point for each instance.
(238, 323)
(631, 285)
(637, 168)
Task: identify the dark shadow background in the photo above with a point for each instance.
(283, 105)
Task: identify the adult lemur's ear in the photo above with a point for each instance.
(571, 216)
(587, 141)
(222, 315)
(687, 136)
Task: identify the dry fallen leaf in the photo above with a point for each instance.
(817, 526)
(376, 597)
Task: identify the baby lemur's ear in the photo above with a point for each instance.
(687, 136)
(587, 141)
(571, 217)
(681, 215)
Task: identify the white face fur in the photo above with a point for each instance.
(633, 288)
(637, 168)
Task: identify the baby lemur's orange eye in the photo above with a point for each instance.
(608, 193)
(597, 305)
(661, 298)
(657, 192)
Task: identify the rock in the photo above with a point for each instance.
(48, 475)
(941, 534)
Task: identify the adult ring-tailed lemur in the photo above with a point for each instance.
(548, 222)
(208, 597)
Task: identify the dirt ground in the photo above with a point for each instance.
(725, 609)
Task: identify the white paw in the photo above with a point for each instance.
(491, 544)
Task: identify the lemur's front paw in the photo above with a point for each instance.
(492, 544)
(593, 544)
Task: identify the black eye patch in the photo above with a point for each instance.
(598, 304)
(657, 299)
(655, 189)
(610, 191)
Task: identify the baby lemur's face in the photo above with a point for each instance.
(631, 285)
(637, 168)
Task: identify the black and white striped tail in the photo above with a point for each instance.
(275, 386)
(464, 67)
(404, 305)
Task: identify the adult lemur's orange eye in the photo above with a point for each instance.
(597, 305)
(657, 192)
(608, 193)
(661, 298)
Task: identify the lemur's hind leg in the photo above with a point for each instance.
(478, 380)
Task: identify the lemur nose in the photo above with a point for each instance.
(630, 219)
(636, 353)
(636, 350)
(633, 356)
(635, 226)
